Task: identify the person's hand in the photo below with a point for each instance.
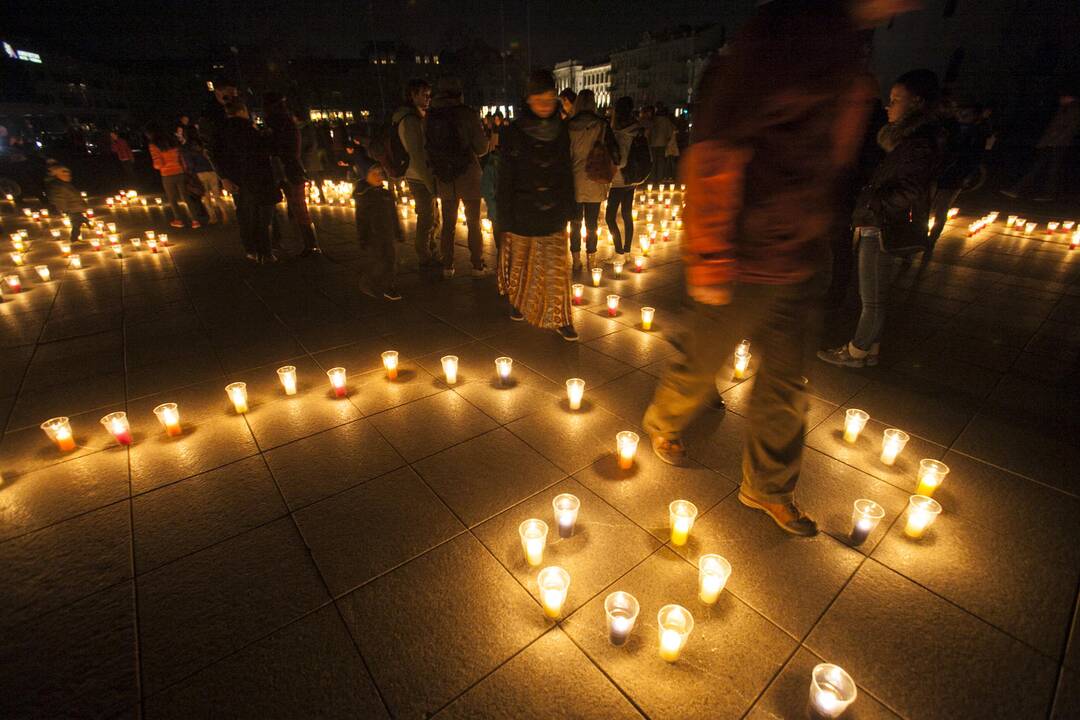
(711, 294)
(230, 186)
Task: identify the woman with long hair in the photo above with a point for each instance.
(167, 160)
(620, 199)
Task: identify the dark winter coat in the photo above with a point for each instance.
(900, 188)
(63, 196)
(244, 158)
(535, 191)
(285, 145)
(468, 131)
(376, 217)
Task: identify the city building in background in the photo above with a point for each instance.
(658, 68)
(581, 76)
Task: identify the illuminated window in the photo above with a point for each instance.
(436, 59)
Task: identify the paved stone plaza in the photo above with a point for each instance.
(359, 557)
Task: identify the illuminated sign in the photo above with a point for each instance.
(28, 56)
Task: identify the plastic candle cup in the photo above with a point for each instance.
(1051, 227)
(337, 381)
(675, 624)
(169, 416)
(612, 305)
(681, 514)
(575, 391)
(503, 365)
(163, 239)
(118, 250)
(95, 243)
(616, 267)
(1030, 228)
(634, 214)
(17, 258)
(237, 392)
(622, 610)
(626, 443)
(533, 534)
(136, 242)
(953, 212)
(713, 574)
(892, 444)
(854, 422)
(597, 273)
(1011, 220)
(647, 315)
(554, 583)
(14, 283)
(639, 263)
(65, 249)
(831, 691)
(75, 262)
(287, 375)
(566, 508)
(742, 362)
(152, 245)
(449, 368)
(59, 431)
(645, 244)
(390, 362)
(864, 518)
(931, 474)
(118, 426)
(1068, 225)
(43, 272)
(922, 511)
(578, 291)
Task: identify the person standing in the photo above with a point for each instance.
(165, 155)
(892, 211)
(409, 124)
(661, 133)
(66, 199)
(285, 144)
(198, 164)
(594, 153)
(535, 197)
(311, 154)
(246, 171)
(620, 200)
(377, 230)
(122, 150)
(567, 98)
(786, 102)
(1051, 152)
(455, 141)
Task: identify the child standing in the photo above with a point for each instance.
(66, 199)
(377, 229)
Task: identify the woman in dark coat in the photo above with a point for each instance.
(893, 210)
(535, 197)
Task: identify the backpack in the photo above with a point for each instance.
(598, 165)
(638, 160)
(387, 149)
(447, 152)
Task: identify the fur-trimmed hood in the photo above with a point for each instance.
(918, 122)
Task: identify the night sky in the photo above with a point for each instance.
(560, 29)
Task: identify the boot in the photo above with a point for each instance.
(577, 262)
(590, 258)
(311, 243)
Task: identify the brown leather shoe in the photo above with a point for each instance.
(787, 515)
(673, 452)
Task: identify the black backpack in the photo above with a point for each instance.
(387, 149)
(447, 152)
(638, 160)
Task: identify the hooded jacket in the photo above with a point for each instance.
(63, 196)
(585, 128)
(410, 130)
(535, 192)
(624, 137)
(244, 159)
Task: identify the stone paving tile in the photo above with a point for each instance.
(425, 427)
(886, 631)
(549, 679)
(157, 459)
(570, 440)
(436, 626)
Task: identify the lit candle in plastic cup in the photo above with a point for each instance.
(118, 250)
(931, 474)
(566, 508)
(622, 610)
(713, 574)
(626, 444)
(639, 263)
(14, 283)
(612, 305)
(645, 244)
(575, 391)
(65, 249)
(578, 292)
(449, 368)
(921, 513)
(533, 534)
(168, 414)
(675, 625)
(597, 273)
(681, 514)
(390, 362)
(163, 240)
(616, 267)
(118, 426)
(1030, 228)
(75, 262)
(287, 375)
(136, 242)
(554, 584)
(854, 422)
(43, 272)
(831, 691)
(95, 244)
(503, 366)
(742, 360)
(864, 518)
(1051, 227)
(59, 431)
(17, 258)
(1068, 225)
(337, 381)
(1011, 220)
(892, 444)
(237, 392)
(647, 315)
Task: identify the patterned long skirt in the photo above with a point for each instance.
(534, 273)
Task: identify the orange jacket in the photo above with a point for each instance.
(166, 162)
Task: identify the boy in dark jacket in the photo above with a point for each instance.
(66, 199)
(377, 229)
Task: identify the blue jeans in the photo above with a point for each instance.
(875, 276)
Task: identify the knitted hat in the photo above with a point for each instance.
(540, 81)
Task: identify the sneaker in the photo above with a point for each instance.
(568, 333)
(392, 294)
(447, 273)
(482, 271)
(841, 357)
(1010, 194)
(251, 257)
(176, 224)
(516, 315)
(673, 452)
(787, 515)
(195, 224)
